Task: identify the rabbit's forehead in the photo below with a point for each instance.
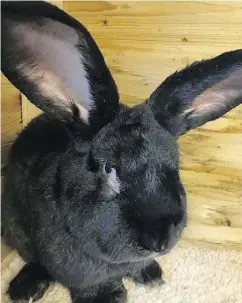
(134, 143)
(152, 143)
(135, 137)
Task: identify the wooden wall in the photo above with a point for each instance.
(143, 42)
(11, 122)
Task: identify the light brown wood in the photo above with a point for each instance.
(144, 42)
(29, 110)
(211, 163)
(11, 122)
(5, 250)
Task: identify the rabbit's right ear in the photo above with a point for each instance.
(199, 93)
(53, 60)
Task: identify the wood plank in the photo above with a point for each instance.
(5, 250)
(143, 42)
(11, 121)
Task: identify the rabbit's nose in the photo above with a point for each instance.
(158, 246)
(159, 242)
(154, 243)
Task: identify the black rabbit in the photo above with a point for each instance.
(92, 191)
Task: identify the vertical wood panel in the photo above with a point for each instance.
(143, 42)
(11, 122)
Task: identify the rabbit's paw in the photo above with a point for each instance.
(31, 283)
(149, 275)
(112, 293)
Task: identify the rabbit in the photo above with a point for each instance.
(92, 191)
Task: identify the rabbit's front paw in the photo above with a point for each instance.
(149, 275)
(112, 292)
(30, 283)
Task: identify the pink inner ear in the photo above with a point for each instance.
(221, 95)
(54, 63)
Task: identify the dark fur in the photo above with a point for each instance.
(32, 281)
(57, 208)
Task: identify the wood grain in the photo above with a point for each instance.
(144, 42)
(11, 122)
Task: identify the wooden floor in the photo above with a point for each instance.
(143, 42)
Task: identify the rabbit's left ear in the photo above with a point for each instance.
(51, 58)
(200, 93)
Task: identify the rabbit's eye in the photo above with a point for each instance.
(108, 168)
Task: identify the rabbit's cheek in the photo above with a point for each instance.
(108, 236)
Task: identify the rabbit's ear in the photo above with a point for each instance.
(199, 93)
(52, 59)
